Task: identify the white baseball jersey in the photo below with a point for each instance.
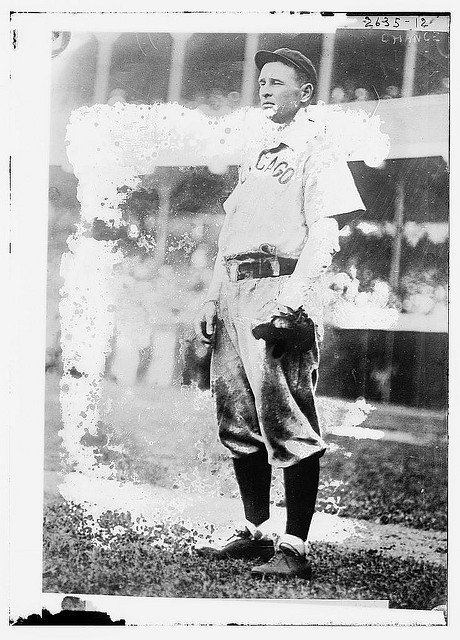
(285, 184)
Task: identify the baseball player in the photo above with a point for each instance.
(263, 312)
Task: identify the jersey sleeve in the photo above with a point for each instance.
(230, 204)
(328, 188)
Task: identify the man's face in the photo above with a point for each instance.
(281, 94)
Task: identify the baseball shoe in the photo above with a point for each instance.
(242, 544)
(286, 563)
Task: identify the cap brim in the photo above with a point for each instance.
(262, 57)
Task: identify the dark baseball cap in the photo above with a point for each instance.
(290, 57)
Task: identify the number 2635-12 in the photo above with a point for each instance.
(393, 22)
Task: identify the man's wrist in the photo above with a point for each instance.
(298, 292)
(291, 294)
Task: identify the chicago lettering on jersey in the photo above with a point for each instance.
(268, 161)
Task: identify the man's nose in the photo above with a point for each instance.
(265, 92)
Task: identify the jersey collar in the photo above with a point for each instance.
(299, 132)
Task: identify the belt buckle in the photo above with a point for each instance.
(233, 270)
(270, 255)
(274, 265)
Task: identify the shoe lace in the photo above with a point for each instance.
(278, 558)
(281, 556)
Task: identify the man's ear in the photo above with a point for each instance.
(307, 92)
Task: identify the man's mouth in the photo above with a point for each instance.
(267, 104)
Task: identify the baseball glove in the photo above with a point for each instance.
(287, 331)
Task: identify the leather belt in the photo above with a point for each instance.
(258, 265)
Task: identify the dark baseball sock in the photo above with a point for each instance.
(301, 488)
(253, 474)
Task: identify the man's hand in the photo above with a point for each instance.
(205, 325)
(286, 330)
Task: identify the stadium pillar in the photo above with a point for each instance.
(410, 60)
(104, 59)
(250, 70)
(325, 68)
(395, 270)
(407, 90)
(164, 193)
(399, 227)
(177, 65)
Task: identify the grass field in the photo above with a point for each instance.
(169, 440)
(161, 563)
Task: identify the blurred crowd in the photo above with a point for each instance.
(351, 92)
(216, 103)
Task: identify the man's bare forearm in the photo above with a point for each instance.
(316, 257)
(217, 278)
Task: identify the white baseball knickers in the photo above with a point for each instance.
(262, 402)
